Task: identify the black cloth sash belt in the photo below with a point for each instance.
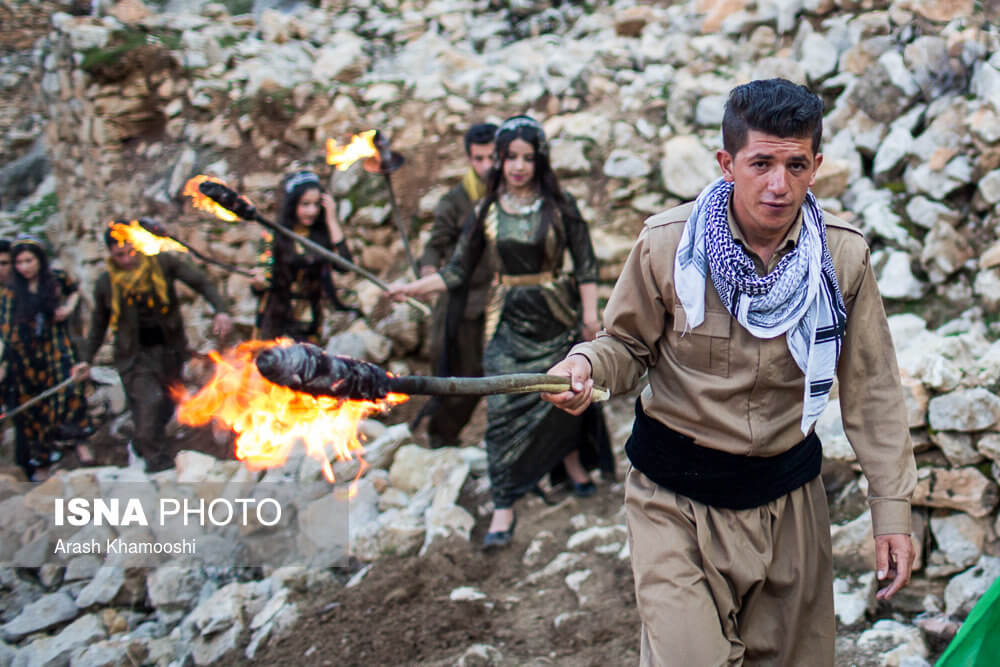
(150, 336)
(714, 477)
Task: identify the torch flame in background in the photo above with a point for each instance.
(361, 146)
(143, 240)
(200, 201)
(268, 419)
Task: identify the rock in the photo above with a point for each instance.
(916, 398)
(965, 489)
(466, 594)
(989, 445)
(630, 21)
(944, 253)
(480, 655)
(938, 10)
(893, 641)
(926, 213)
(853, 544)
(818, 56)
(625, 165)
(57, 650)
(959, 538)
(113, 653)
(400, 533)
(597, 536)
(414, 466)
(939, 183)
(963, 591)
(964, 410)
(568, 157)
(361, 344)
(958, 447)
(402, 327)
(174, 586)
(323, 531)
(854, 597)
(103, 588)
(987, 288)
(561, 563)
(687, 167)
(47, 611)
(218, 624)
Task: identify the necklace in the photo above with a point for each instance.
(520, 204)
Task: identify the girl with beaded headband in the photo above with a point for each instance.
(291, 283)
(38, 354)
(537, 312)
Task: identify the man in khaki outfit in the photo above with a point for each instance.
(460, 314)
(742, 306)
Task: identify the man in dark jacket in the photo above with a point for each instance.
(137, 299)
(459, 316)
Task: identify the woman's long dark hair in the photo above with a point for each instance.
(544, 178)
(25, 303)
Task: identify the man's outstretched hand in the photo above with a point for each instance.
(577, 368)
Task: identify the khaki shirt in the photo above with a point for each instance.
(743, 395)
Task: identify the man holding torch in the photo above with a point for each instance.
(460, 315)
(137, 299)
(742, 308)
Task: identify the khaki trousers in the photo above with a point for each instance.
(731, 587)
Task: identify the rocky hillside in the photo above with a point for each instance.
(110, 116)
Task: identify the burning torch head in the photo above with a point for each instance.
(226, 197)
(306, 368)
(153, 227)
(386, 161)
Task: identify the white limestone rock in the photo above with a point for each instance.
(895, 276)
(894, 642)
(687, 166)
(964, 410)
(960, 539)
(45, 612)
(964, 590)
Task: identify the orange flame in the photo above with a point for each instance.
(361, 146)
(200, 201)
(143, 240)
(269, 419)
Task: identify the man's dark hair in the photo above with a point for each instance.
(5, 245)
(773, 106)
(481, 133)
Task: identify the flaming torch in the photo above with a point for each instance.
(150, 238)
(213, 195)
(306, 368)
(269, 419)
(373, 147)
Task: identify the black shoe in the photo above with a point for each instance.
(584, 490)
(499, 539)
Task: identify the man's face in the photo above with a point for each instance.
(770, 177)
(481, 158)
(124, 255)
(4, 267)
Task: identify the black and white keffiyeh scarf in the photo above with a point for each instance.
(800, 297)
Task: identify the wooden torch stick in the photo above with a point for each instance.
(231, 201)
(307, 368)
(51, 391)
